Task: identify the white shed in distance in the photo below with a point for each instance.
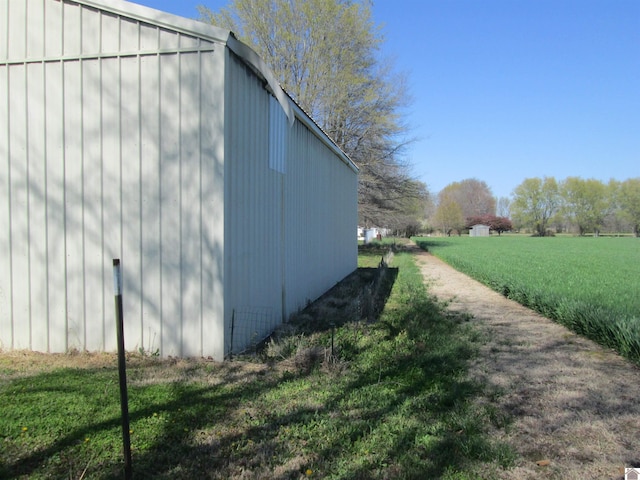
(479, 231)
(130, 133)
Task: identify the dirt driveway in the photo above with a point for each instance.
(574, 406)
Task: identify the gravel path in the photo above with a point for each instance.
(574, 406)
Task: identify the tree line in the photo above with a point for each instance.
(544, 206)
(460, 205)
(541, 206)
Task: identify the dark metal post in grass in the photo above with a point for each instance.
(122, 368)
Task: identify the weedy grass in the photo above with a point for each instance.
(590, 285)
(393, 400)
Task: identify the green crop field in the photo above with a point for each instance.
(591, 285)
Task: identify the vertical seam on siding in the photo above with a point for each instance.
(64, 188)
(102, 249)
(82, 190)
(28, 161)
(9, 206)
(8, 22)
(28, 189)
(160, 156)
(200, 124)
(46, 206)
(44, 161)
(180, 216)
(82, 194)
(64, 204)
(119, 113)
(141, 231)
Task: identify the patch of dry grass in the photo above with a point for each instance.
(571, 403)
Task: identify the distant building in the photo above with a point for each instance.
(479, 231)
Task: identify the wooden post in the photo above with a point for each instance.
(122, 368)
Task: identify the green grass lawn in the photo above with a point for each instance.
(591, 285)
(394, 401)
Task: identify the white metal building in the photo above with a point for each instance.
(130, 133)
(479, 230)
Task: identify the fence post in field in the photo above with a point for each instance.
(122, 368)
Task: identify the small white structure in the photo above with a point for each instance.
(479, 231)
(130, 133)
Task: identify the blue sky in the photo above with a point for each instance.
(504, 90)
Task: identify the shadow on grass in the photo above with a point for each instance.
(425, 244)
(394, 402)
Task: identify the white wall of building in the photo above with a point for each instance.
(112, 148)
(133, 134)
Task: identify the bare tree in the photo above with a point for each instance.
(503, 207)
(325, 54)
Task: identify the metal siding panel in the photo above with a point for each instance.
(4, 27)
(254, 236)
(16, 30)
(298, 195)
(110, 32)
(112, 181)
(96, 264)
(131, 211)
(90, 189)
(150, 188)
(212, 125)
(34, 28)
(53, 29)
(90, 33)
(316, 242)
(168, 40)
(6, 320)
(187, 41)
(191, 230)
(55, 232)
(19, 216)
(148, 37)
(170, 206)
(129, 35)
(278, 128)
(72, 38)
(35, 323)
(73, 205)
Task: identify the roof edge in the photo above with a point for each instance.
(226, 37)
(203, 30)
(161, 19)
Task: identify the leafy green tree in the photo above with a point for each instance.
(448, 215)
(535, 202)
(628, 200)
(325, 54)
(585, 203)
